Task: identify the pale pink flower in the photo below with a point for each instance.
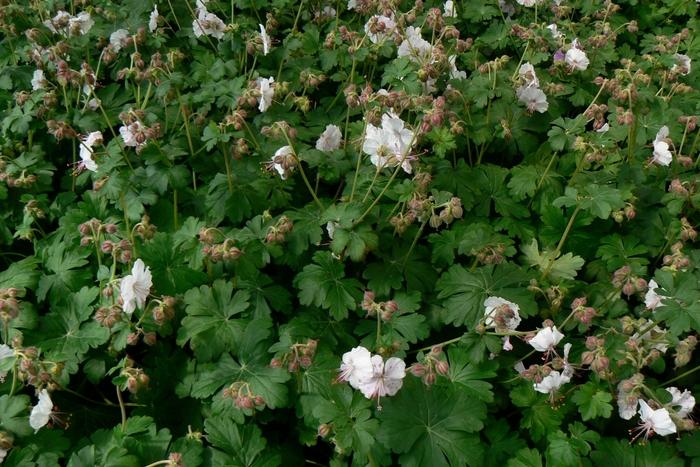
(208, 24)
(384, 27)
(386, 379)
(415, 47)
(118, 39)
(546, 339)
(534, 98)
(652, 300)
(682, 65)
(356, 367)
(528, 75)
(134, 288)
(576, 58)
(683, 402)
(449, 10)
(330, 139)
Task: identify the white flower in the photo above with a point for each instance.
(528, 75)
(266, 93)
(390, 144)
(662, 155)
(534, 98)
(682, 65)
(386, 379)
(134, 288)
(352, 4)
(153, 19)
(603, 129)
(454, 72)
(576, 58)
(652, 300)
(501, 314)
(277, 161)
(41, 412)
(3, 454)
(551, 383)
(266, 41)
(38, 80)
(449, 10)
(414, 46)
(208, 24)
(130, 134)
(654, 421)
(82, 23)
(330, 139)
(657, 337)
(61, 20)
(86, 151)
(330, 228)
(546, 339)
(326, 12)
(379, 27)
(356, 367)
(556, 34)
(527, 3)
(118, 39)
(683, 400)
(5, 352)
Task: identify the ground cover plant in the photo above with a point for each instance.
(364, 232)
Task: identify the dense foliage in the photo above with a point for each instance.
(365, 232)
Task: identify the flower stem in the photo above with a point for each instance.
(163, 462)
(557, 251)
(439, 344)
(376, 200)
(122, 409)
(682, 375)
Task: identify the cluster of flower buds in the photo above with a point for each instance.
(684, 351)
(535, 373)
(646, 342)
(133, 132)
(60, 129)
(433, 364)
(681, 189)
(490, 254)
(278, 130)
(277, 233)
(120, 251)
(597, 113)
(624, 116)
(666, 44)
(33, 371)
(494, 65)
(243, 397)
(688, 232)
(9, 305)
(384, 310)
(450, 211)
(175, 460)
(595, 357)
(217, 249)
(690, 121)
(624, 279)
(108, 316)
(236, 120)
(324, 430)
(311, 80)
(164, 310)
(628, 213)
(584, 314)
(149, 337)
(136, 378)
(145, 229)
(677, 260)
(628, 392)
(300, 355)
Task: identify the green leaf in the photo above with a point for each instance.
(21, 274)
(469, 375)
(592, 402)
(170, 273)
(620, 453)
(526, 458)
(213, 323)
(238, 446)
(563, 267)
(432, 427)
(464, 291)
(560, 451)
(14, 415)
(323, 284)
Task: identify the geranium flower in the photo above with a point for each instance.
(386, 379)
(554, 380)
(528, 75)
(66, 24)
(5, 352)
(134, 288)
(379, 27)
(626, 402)
(133, 135)
(267, 92)
(576, 58)
(662, 155)
(654, 421)
(652, 300)
(449, 10)
(266, 41)
(81, 23)
(546, 339)
(414, 46)
(38, 80)
(330, 139)
(454, 72)
(153, 19)
(283, 162)
(527, 3)
(603, 129)
(208, 24)
(352, 4)
(41, 412)
(684, 401)
(534, 99)
(86, 151)
(554, 29)
(682, 65)
(502, 315)
(118, 39)
(390, 144)
(356, 367)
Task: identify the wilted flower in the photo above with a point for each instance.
(41, 412)
(501, 314)
(66, 24)
(662, 155)
(330, 139)
(534, 98)
(266, 42)
(153, 19)
(356, 366)
(528, 75)
(133, 134)
(682, 65)
(134, 288)
(652, 300)
(556, 34)
(546, 339)
(283, 162)
(82, 23)
(654, 421)
(386, 379)
(576, 58)
(379, 27)
(684, 402)
(390, 144)
(208, 24)
(449, 10)
(118, 39)
(38, 80)
(86, 151)
(266, 93)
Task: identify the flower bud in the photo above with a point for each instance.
(442, 367)
(324, 430)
